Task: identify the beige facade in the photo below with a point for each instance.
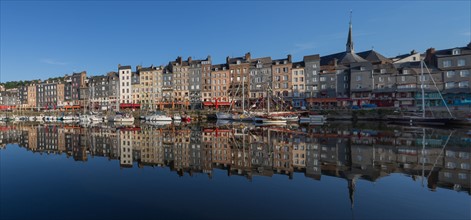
(298, 83)
(281, 84)
(60, 94)
(219, 85)
(150, 87)
(32, 96)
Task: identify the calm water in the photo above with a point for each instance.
(237, 171)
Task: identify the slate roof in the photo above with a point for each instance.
(124, 67)
(343, 58)
(309, 58)
(374, 57)
(298, 64)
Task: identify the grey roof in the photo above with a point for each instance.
(374, 57)
(219, 67)
(124, 67)
(309, 58)
(299, 64)
(448, 52)
(263, 60)
(343, 58)
(234, 60)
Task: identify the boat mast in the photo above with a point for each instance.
(422, 86)
(243, 94)
(268, 101)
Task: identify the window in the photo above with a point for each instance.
(314, 87)
(358, 86)
(463, 84)
(314, 65)
(322, 78)
(449, 85)
(405, 71)
(450, 74)
(464, 73)
(403, 78)
(381, 79)
(314, 72)
(456, 52)
(446, 63)
(358, 78)
(382, 70)
(461, 62)
(323, 86)
(423, 78)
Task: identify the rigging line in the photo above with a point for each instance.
(435, 84)
(436, 159)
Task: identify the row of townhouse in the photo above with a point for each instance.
(337, 80)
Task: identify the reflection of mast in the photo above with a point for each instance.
(351, 191)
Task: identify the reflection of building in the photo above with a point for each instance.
(341, 152)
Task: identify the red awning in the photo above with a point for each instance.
(214, 103)
(129, 105)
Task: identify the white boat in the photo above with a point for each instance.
(123, 118)
(313, 119)
(270, 121)
(177, 117)
(32, 118)
(288, 118)
(68, 118)
(158, 117)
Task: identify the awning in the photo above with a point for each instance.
(214, 103)
(129, 105)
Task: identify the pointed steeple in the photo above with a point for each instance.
(349, 40)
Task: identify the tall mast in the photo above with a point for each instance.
(422, 87)
(243, 94)
(268, 101)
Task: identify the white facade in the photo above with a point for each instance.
(125, 90)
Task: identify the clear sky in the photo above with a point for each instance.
(41, 39)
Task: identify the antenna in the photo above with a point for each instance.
(351, 16)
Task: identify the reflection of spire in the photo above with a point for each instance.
(349, 39)
(351, 191)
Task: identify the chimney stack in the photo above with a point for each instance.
(247, 56)
(289, 58)
(189, 60)
(179, 60)
(227, 59)
(429, 56)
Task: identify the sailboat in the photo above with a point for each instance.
(268, 118)
(423, 119)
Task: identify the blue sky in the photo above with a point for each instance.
(41, 39)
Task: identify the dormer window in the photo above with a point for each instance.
(362, 68)
(405, 71)
(285, 62)
(456, 52)
(238, 61)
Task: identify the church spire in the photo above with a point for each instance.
(349, 40)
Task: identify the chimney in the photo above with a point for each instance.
(189, 60)
(469, 45)
(208, 58)
(179, 60)
(227, 59)
(247, 56)
(335, 62)
(430, 55)
(119, 65)
(138, 67)
(289, 58)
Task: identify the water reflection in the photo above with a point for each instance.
(437, 158)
